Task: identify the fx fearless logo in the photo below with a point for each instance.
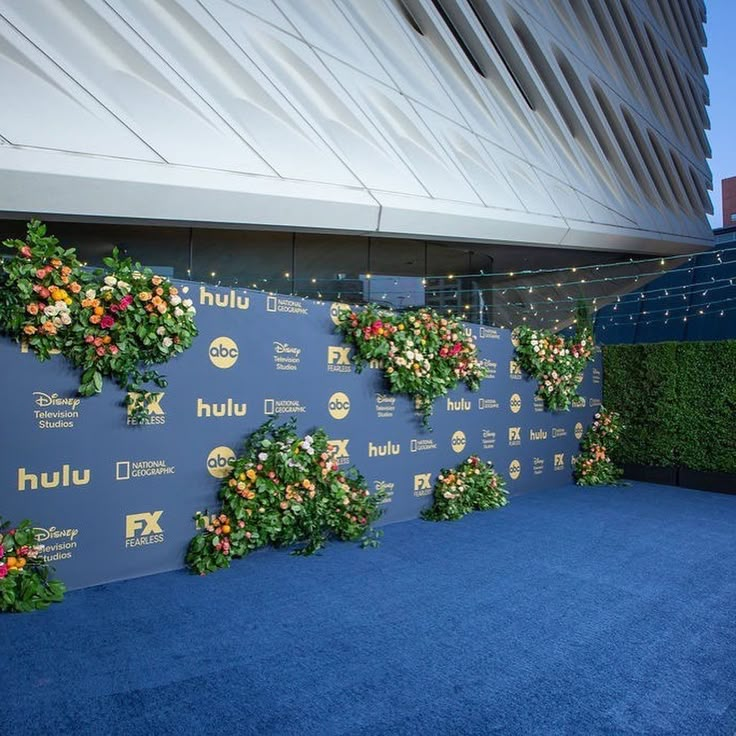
(338, 359)
(154, 411)
(422, 484)
(143, 529)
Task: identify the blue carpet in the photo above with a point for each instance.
(571, 611)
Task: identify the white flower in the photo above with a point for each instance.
(263, 456)
(161, 330)
(187, 303)
(410, 355)
(123, 286)
(110, 280)
(66, 318)
(167, 342)
(57, 321)
(536, 348)
(191, 310)
(105, 288)
(178, 312)
(50, 311)
(174, 300)
(61, 306)
(137, 275)
(90, 293)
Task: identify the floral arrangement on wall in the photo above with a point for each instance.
(423, 354)
(25, 584)
(284, 489)
(113, 323)
(473, 485)
(593, 466)
(555, 363)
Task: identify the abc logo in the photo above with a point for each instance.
(339, 405)
(223, 352)
(578, 430)
(218, 461)
(515, 403)
(335, 309)
(514, 469)
(458, 441)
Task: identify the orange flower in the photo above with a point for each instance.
(159, 291)
(49, 328)
(161, 308)
(32, 308)
(144, 296)
(55, 262)
(65, 270)
(173, 291)
(29, 329)
(156, 280)
(156, 301)
(99, 311)
(75, 288)
(95, 319)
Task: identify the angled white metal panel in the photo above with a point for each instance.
(524, 121)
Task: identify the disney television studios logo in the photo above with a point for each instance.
(54, 411)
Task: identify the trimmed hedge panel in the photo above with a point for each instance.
(677, 401)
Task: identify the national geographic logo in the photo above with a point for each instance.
(422, 445)
(127, 469)
(422, 484)
(66, 477)
(458, 405)
(594, 402)
(458, 441)
(514, 436)
(273, 407)
(223, 352)
(514, 469)
(559, 461)
(143, 529)
(489, 333)
(341, 454)
(338, 405)
(56, 544)
(515, 403)
(155, 415)
(286, 357)
(514, 371)
(385, 450)
(538, 467)
(488, 404)
(578, 430)
(218, 461)
(284, 305)
(228, 408)
(537, 435)
(225, 299)
(335, 309)
(558, 432)
(54, 411)
(338, 359)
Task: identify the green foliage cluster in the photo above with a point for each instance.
(678, 402)
(284, 489)
(473, 485)
(24, 576)
(424, 355)
(593, 466)
(114, 323)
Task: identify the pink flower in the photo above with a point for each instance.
(113, 349)
(41, 273)
(3, 570)
(25, 251)
(107, 322)
(100, 351)
(114, 308)
(89, 339)
(126, 301)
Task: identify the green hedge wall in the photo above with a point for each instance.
(677, 401)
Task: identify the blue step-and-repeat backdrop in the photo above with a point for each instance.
(114, 501)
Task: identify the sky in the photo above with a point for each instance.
(721, 80)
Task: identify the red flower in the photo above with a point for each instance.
(107, 322)
(126, 301)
